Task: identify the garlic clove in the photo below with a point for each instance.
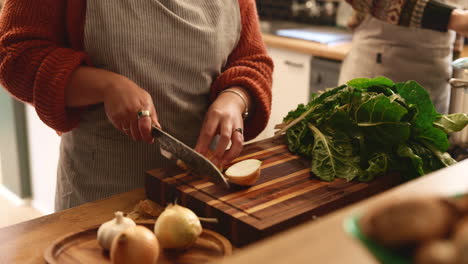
(110, 229)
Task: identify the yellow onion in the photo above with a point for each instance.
(177, 227)
(135, 245)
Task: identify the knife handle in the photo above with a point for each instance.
(155, 132)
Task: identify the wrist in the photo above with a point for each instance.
(112, 84)
(240, 96)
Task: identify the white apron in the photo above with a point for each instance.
(402, 54)
(174, 49)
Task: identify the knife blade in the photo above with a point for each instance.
(173, 148)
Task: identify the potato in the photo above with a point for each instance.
(461, 240)
(462, 204)
(436, 252)
(409, 222)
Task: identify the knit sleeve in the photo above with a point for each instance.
(249, 67)
(35, 63)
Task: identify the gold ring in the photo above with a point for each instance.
(240, 130)
(126, 129)
(143, 113)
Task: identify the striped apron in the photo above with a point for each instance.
(402, 54)
(174, 49)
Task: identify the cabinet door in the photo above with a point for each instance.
(325, 74)
(291, 81)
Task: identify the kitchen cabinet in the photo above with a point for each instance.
(324, 74)
(291, 81)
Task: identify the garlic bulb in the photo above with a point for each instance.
(110, 229)
(177, 227)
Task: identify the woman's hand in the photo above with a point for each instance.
(123, 101)
(459, 22)
(122, 98)
(224, 117)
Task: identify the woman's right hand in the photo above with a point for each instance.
(122, 98)
(122, 101)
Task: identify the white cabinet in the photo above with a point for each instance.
(291, 85)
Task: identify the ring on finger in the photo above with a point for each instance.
(126, 129)
(143, 113)
(240, 130)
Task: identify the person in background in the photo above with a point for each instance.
(406, 40)
(102, 72)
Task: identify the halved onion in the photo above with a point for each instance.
(245, 172)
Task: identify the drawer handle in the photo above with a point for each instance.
(294, 64)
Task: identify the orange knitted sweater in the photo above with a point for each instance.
(42, 43)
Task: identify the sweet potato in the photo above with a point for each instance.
(436, 252)
(461, 240)
(409, 222)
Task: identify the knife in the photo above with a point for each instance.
(172, 148)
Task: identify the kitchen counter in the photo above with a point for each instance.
(334, 52)
(322, 240)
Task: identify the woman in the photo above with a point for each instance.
(101, 72)
(406, 40)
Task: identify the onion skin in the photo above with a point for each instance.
(177, 227)
(135, 245)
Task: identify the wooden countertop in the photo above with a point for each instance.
(322, 240)
(26, 242)
(335, 52)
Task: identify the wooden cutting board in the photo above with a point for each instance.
(285, 195)
(83, 248)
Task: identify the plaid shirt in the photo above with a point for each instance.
(428, 14)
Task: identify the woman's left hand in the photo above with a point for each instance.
(224, 117)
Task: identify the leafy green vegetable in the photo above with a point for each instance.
(365, 83)
(451, 123)
(333, 155)
(380, 118)
(378, 164)
(370, 126)
(423, 129)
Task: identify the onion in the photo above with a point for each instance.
(135, 245)
(177, 227)
(244, 172)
